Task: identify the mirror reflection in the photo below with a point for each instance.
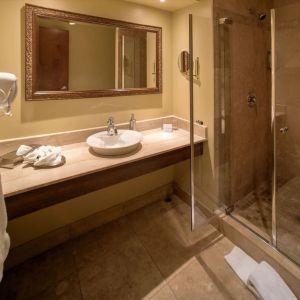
(85, 56)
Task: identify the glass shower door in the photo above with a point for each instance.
(286, 80)
(193, 104)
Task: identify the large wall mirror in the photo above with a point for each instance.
(71, 55)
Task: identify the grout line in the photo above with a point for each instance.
(77, 271)
(149, 254)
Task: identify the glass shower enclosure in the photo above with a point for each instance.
(257, 109)
(286, 100)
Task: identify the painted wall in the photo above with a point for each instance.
(32, 118)
(95, 44)
(41, 117)
(203, 94)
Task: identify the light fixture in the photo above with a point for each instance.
(72, 23)
(162, 1)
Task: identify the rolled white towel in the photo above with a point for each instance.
(4, 237)
(241, 263)
(268, 284)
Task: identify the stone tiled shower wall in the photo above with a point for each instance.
(287, 51)
(287, 76)
(244, 144)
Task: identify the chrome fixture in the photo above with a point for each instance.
(225, 20)
(251, 99)
(111, 128)
(284, 129)
(196, 68)
(261, 16)
(192, 145)
(132, 123)
(184, 66)
(198, 122)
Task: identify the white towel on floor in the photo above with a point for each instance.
(242, 264)
(4, 237)
(268, 284)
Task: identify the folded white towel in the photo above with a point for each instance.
(241, 263)
(268, 284)
(4, 237)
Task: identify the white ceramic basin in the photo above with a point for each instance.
(124, 142)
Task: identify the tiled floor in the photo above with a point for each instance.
(149, 254)
(256, 209)
(288, 218)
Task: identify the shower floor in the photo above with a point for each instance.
(256, 211)
(149, 254)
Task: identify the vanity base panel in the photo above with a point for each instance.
(27, 202)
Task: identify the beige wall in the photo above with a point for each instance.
(32, 118)
(95, 45)
(203, 94)
(38, 117)
(41, 117)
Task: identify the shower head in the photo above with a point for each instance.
(260, 15)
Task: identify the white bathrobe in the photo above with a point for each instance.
(4, 237)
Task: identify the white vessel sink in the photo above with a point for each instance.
(124, 142)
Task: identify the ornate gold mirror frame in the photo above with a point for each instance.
(31, 14)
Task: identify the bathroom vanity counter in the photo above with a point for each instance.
(27, 189)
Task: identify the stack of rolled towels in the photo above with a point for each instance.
(43, 156)
(260, 278)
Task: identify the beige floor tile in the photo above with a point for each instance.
(168, 239)
(164, 293)
(40, 273)
(151, 254)
(191, 281)
(150, 215)
(122, 270)
(66, 289)
(213, 262)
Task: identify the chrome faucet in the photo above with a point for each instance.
(111, 128)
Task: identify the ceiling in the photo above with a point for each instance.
(169, 5)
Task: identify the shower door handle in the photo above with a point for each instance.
(284, 130)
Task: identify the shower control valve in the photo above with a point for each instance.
(251, 99)
(284, 129)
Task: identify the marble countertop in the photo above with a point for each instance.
(80, 160)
